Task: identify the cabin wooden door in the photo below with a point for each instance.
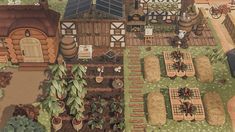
(31, 50)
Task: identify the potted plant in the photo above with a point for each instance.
(188, 108)
(185, 93)
(76, 95)
(52, 106)
(22, 124)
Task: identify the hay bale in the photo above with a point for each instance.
(203, 69)
(151, 69)
(156, 108)
(214, 109)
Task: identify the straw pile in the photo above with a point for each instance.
(203, 69)
(214, 109)
(151, 69)
(156, 108)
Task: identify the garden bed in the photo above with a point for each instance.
(99, 105)
(97, 60)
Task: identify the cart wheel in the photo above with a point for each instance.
(217, 15)
(210, 11)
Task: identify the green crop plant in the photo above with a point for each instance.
(77, 92)
(52, 106)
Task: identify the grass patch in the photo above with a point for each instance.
(57, 5)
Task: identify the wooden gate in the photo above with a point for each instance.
(31, 50)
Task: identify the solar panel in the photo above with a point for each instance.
(102, 8)
(113, 12)
(84, 5)
(111, 7)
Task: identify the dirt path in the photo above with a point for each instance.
(231, 111)
(225, 39)
(23, 89)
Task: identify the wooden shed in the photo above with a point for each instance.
(100, 23)
(30, 32)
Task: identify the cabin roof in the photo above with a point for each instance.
(28, 16)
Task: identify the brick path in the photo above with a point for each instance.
(136, 91)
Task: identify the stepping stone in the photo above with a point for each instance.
(136, 95)
(135, 87)
(136, 120)
(141, 82)
(136, 100)
(134, 78)
(135, 91)
(136, 70)
(137, 114)
(136, 105)
(135, 74)
(133, 67)
(139, 126)
(137, 130)
(138, 110)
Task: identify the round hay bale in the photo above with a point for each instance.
(151, 69)
(214, 109)
(203, 68)
(156, 109)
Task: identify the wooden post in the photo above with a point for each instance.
(11, 50)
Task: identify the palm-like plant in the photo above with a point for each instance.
(57, 75)
(77, 92)
(52, 106)
(57, 71)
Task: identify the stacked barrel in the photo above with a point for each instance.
(68, 48)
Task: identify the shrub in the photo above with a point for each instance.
(22, 124)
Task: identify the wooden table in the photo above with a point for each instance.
(195, 100)
(169, 62)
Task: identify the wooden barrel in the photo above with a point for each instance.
(194, 18)
(185, 24)
(199, 29)
(68, 47)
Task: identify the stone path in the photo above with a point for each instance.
(136, 91)
(231, 111)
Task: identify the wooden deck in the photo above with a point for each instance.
(164, 39)
(195, 100)
(171, 72)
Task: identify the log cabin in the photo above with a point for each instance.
(30, 33)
